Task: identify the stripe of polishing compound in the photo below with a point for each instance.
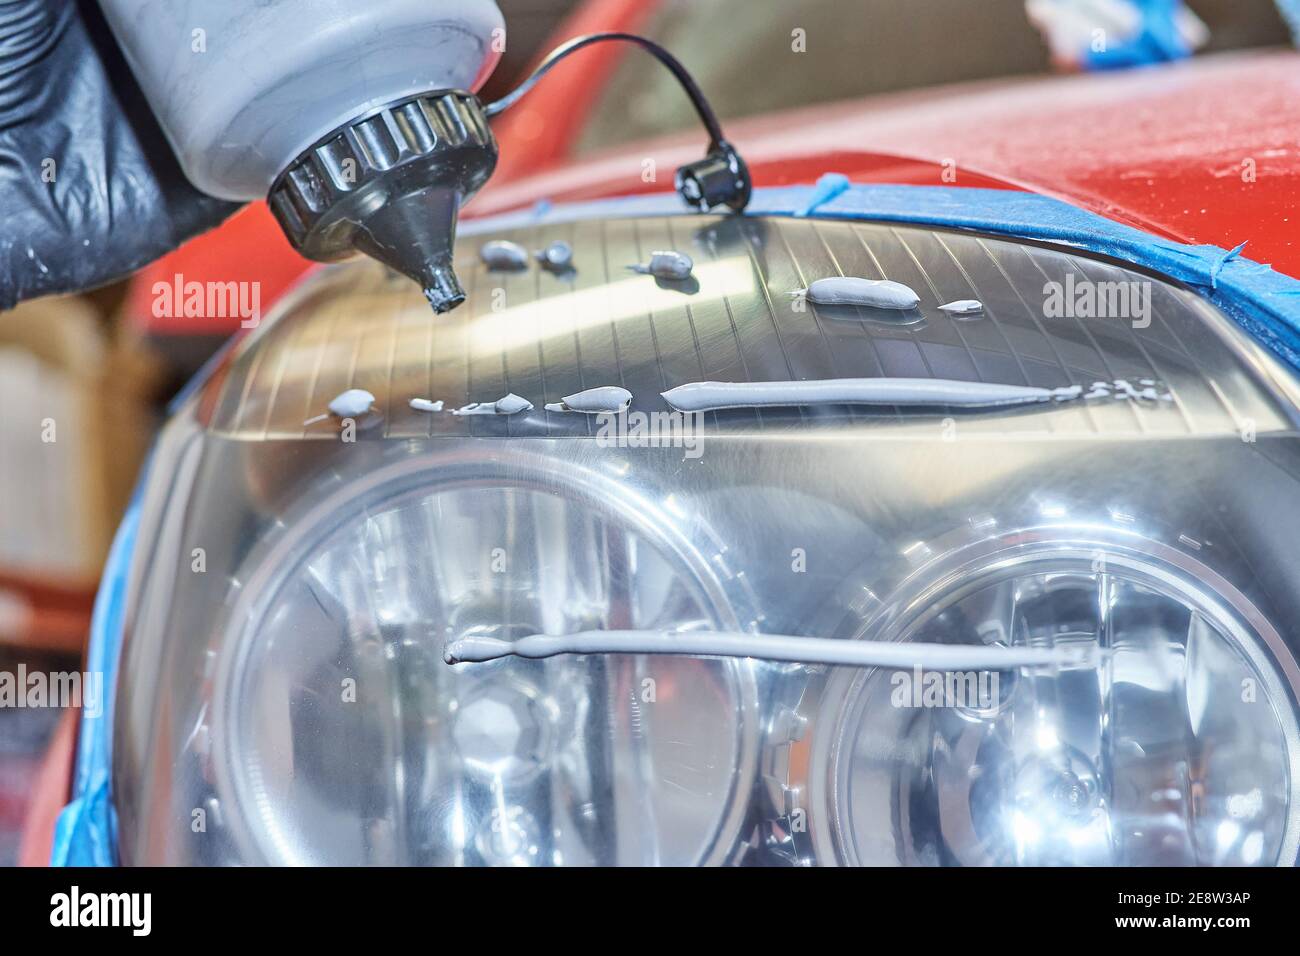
(1264, 302)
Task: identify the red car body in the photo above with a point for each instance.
(1202, 151)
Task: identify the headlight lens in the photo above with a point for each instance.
(1179, 750)
(343, 738)
(283, 697)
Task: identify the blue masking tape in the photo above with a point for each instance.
(825, 189)
(86, 831)
(1221, 261)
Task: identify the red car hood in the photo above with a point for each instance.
(1202, 151)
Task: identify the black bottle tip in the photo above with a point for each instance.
(442, 289)
(401, 213)
(414, 233)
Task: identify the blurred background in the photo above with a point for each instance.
(103, 367)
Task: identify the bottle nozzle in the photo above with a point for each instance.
(398, 203)
(415, 233)
(442, 288)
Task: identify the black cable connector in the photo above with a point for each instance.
(720, 179)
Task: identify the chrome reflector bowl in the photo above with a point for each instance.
(283, 697)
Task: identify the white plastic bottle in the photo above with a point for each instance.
(242, 87)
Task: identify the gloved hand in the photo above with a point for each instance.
(1117, 34)
(89, 188)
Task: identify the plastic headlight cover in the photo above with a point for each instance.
(283, 696)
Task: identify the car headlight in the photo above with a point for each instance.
(340, 736)
(283, 697)
(1178, 750)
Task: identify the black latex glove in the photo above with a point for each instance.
(118, 198)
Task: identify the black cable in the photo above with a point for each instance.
(674, 66)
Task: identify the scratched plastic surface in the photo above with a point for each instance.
(294, 690)
(543, 336)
